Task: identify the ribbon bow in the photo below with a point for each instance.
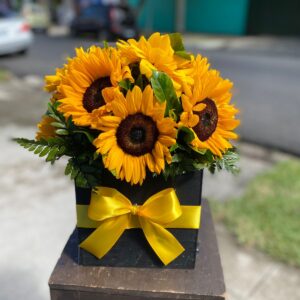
(116, 214)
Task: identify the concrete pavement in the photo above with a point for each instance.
(38, 211)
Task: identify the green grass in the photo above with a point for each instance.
(267, 216)
(4, 75)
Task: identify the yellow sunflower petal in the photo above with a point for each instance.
(147, 103)
(186, 103)
(136, 93)
(45, 129)
(150, 162)
(146, 68)
(199, 107)
(119, 109)
(128, 168)
(166, 140)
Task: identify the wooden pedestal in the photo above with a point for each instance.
(70, 281)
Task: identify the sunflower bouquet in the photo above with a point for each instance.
(138, 122)
(143, 108)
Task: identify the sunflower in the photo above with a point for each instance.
(208, 112)
(45, 129)
(136, 136)
(89, 83)
(52, 83)
(156, 53)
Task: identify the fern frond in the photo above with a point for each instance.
(52, 148)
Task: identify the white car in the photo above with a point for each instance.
(15, 34)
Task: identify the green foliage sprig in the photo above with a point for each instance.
(52, 148)
(84, 165)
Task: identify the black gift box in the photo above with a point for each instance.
(132, 249)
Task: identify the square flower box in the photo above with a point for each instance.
(132, 249)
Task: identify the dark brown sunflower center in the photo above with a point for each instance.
(137, 134)
(208, 120)
(92, 97)
(139, 78)
(135, 70)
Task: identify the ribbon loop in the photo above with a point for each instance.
(162, 207)
(116, 214)
(107, 203)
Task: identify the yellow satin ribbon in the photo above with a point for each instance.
(112, 213)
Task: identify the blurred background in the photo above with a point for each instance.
(255, 43)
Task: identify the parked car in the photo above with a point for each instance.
(37, 15)
(108, 19)
(15, 33)
(93, 18)
(123, 23)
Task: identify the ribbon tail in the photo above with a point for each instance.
(164, 244)
(105, 236)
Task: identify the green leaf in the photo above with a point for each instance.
(54, 113)
(69, 167)
(39, 149)
(227, 162)
(44, 152)
(95, 155)
(32, 147)
(164, 91)
(176, 158)
(174, 147)
(173, 115)
(125, 84)
(55, 141)
(55, 105)
(162, 86)
(105, 44)
(62, 150)
(81, 181)
(58, 125)
(74, 172)
(52, 154)
(176, 41)
(87, 134)
(25, 143)
(70, 122)
(183, 54)
(62, 132)
(187, 134)
(199, 166)
(200, 151)
(50, 109)
(178, 46)
(52, 147)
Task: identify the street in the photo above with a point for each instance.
(266, 84)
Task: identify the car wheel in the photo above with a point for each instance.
(105, 35)
(74, 33)
(23, 52)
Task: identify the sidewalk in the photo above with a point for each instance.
(274, 45)
(38, 213)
